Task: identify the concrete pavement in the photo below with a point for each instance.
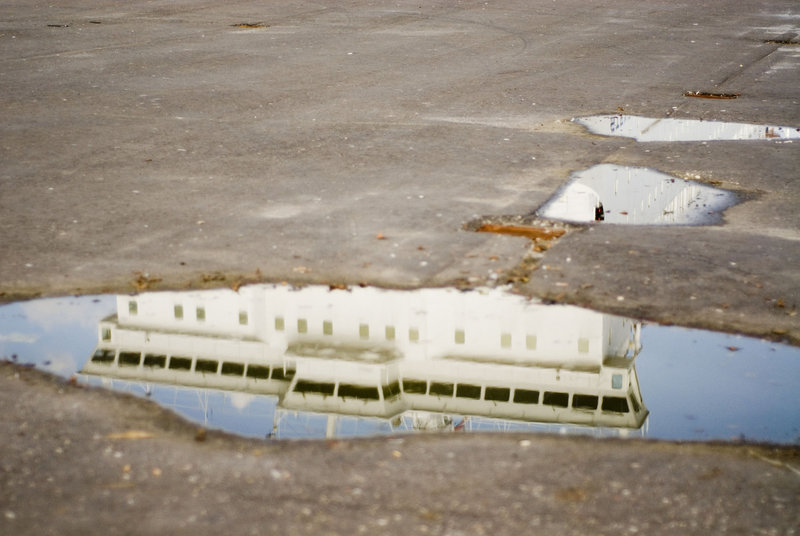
(165, 141)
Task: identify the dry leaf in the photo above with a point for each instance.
(533, 233)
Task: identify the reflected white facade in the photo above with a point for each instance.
(422, 356)
(635, 196)
(648, 129)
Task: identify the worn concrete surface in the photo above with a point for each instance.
(76, 461)
(149, 141)
(159, 139)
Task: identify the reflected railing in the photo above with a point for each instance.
(403, 360)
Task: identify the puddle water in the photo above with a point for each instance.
(646, 129)
(636, 196)
(276, 362)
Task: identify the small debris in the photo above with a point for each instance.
(200, 434)
(215, 276)
(733, 348)
(143, 281)
(571, 494)
(541, 233)
(380, 236)
(705, 95)
(250, 25)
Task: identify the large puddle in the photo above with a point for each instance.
(636, 196)
(648, 129)
(277, 362)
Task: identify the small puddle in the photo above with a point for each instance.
(636, 196)
(648, 129)
(277, 362)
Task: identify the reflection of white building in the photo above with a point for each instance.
(669, 129)
(636, 196)
(380, 353)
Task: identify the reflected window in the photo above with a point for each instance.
(104, 356)
(133, 308)
(525, 396)
(302, 325)
(232, 369)
(635, 404)
(464, 390)
(583, 346)
(206, 366)
(530, 342)
(155, 361)
(585, 401)
(617, 404)
(200, 314)
(505, 340)
(320, 388)
(460, 337)
(106, 334)
(278, 373)
(327, 327)
(497, 394)
(389, 333)
(258, 372)
(180, 363)
(616, 381)
(416, 387)
(129, 359)
(413, 335)
(178, 311)
(243, 318)
(391, 391)
(363, 331)
(441, 389)
(552, 398)
(279, 324)
(362, 392)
